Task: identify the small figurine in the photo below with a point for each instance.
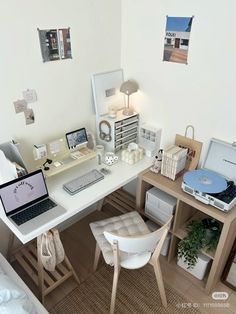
(156, 167)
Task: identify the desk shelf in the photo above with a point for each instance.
(88, 154)
(187, 209)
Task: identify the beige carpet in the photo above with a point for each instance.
(137, 293)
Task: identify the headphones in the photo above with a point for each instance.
(105, 136)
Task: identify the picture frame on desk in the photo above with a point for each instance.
(106, 91)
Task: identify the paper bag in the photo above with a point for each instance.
(194, 148)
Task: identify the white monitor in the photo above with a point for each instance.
(76, 138)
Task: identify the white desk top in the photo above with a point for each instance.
(121, 174)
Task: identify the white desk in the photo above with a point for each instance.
(121, 174)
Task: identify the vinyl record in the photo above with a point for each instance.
(205, 181)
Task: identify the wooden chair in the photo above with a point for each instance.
(125, 241)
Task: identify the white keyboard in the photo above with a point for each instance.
(82, 182)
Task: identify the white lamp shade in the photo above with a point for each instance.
(129, 87)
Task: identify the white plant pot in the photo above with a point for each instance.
(199, 270)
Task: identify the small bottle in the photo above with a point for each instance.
(140, 153)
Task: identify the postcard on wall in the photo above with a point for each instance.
(29, 116)
(55, 44)
(177, 39)
(20, 105)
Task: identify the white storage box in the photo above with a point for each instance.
(152, 227)
(159, 204)
(199, 269)
(157, 213)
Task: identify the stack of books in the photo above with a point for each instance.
(173, 161)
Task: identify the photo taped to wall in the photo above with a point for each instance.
(177, 39)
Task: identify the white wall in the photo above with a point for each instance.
(174, 95)
(63, 87)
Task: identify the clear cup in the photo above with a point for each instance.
(100, 153)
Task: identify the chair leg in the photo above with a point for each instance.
(96, 258)
(114, 289)
(157, 269)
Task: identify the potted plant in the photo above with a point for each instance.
(202, 234)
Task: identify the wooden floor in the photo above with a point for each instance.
(80, 245)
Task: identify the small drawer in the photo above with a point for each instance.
(130, 138)
(132, 125)
(133, 131)
(118, 124)
(118, 130)
(129, 120)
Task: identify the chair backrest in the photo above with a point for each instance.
(140, 244)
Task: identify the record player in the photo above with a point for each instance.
(214, 183)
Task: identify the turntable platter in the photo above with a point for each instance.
(205, 181)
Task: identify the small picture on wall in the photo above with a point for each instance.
(177, 39)
(29, 116)
(55, 44)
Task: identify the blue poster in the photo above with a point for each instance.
(177, 39)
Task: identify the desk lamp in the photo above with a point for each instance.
(48, 161)
(128, 88)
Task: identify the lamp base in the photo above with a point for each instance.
(127, 112)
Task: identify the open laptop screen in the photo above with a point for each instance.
(23, 192)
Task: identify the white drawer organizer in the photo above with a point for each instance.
(149, 139)
(123, 130)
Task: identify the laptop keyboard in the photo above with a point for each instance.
(33, 211)
(83, 181)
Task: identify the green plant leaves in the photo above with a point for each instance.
(202, 234)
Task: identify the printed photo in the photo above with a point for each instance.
(177, 39)
(29, 116)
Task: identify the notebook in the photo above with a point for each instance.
(26, 202)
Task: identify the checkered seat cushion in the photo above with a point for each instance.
(130, 224)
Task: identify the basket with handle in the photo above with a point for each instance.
(194, 148)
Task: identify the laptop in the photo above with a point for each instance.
(26, 202)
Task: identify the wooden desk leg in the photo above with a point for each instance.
(10, 246)
(71, 268)
(100, 204)
(40, 271)
(43, 275)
